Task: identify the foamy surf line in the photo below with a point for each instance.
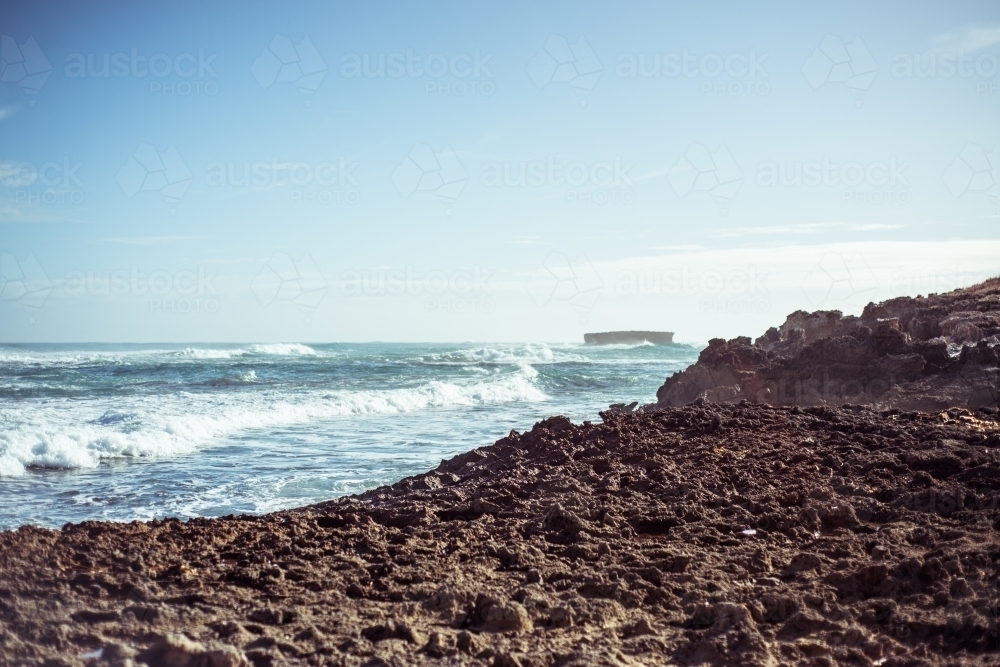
(71, 357)
(525, 354)
(69, 435)
(258, 350)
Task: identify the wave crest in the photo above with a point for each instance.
(514, 354)
(56, 438)
(282, 349)
(205, 353)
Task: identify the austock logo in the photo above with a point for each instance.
(459, 74)
(285, 62)
(24, 282)
(181, 292)
(981, 68)
(874, 182)
(733, 74)
(456, 292)
(560, 280)
(284, 278)
(825, 385)
(560, 62)
(408, 282)
(326, 182)
(149, 170)
(834, 62)
(980, 378)
(183, 75)
(734, 291)
(24, 65)
(713, 172)
(601, 182)
(49, 183)
(424, 170)
(974, 170)
(840, 281)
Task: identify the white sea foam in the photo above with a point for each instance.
(68, 434)
(260, 349)
(207, 353)
(624, 346)
(513, 354)
(85, 357)
(282, 349)
(62, 358)
(10, 466)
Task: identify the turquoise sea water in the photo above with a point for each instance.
(122, 432)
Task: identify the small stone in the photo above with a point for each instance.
(643, 627)
(439, 645)
(509, 617)
(467, 643)
(703, 616)
(506, 660)
(393, 630)
(561, 617)
(117, 653)
(175, 650)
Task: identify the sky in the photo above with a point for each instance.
(347, 171)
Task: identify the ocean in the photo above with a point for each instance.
(126, 432)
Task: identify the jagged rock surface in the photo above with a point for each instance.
(703, 535)
(925, 353)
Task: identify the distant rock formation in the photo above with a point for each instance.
(925, 353)
(629, 338)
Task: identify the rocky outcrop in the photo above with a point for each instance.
(923, 353)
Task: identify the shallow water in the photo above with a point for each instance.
(123, 432)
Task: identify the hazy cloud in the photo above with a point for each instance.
(971, 38)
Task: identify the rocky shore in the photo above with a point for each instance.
(925, 353)
(701, 535)
(824, 495)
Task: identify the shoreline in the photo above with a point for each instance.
(209, 432)
(713, 534)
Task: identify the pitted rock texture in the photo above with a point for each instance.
(924, 353)
(704, 535)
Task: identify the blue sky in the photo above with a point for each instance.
(232, 174)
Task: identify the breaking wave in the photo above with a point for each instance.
(514, 354)
(70, 434)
